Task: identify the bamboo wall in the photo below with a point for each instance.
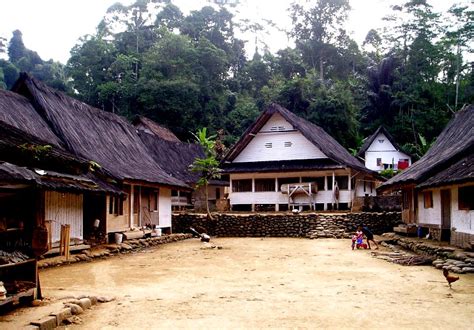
(65, 208)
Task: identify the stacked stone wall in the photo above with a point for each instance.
(311, 225)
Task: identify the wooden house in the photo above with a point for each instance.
(176, 157)
(438, 189)
(41, 183)
(112, 143)
(381, 152)
(283, 161)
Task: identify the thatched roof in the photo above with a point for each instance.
(174, 157)
(368, 141)
(455, 143)
(17, 111)
(100, 136)
(460, 172)
(13, 174)
(22, 153)
(24, 149)
(328, 145)
(149, 126)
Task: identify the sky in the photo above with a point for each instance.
(53, 27)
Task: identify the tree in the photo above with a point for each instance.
(207, 166)
(16, 47)
(318, 30)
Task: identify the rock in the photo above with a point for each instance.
(468, 269)
(62, 315)
(93, 300)
(75, 309)
(457, 270)
(46, 323)
(438, 261)
(104, 299)
(85, 303)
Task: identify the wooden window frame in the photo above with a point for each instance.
(238, 185)
(466, 198)
(428, 199)
(264, 185)
(153, 198)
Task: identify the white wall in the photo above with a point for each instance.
(257, 150)
(63, 209)
(370, 186)
(431, 216)
(384, 150)
(164, 207)
(462, 220)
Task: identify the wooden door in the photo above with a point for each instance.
(445, 214)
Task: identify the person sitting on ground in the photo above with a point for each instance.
(357, 239)
(369, 235)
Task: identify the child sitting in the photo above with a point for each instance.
(358, 240)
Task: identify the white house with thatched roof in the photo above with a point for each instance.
(283, 161)
(380, 152)
(176, 157)
(438, 190)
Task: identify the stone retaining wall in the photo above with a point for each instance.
(309, 225)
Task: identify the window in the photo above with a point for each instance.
(218, 193)
(329, 178)
(381, 140)
(116, 205)
(342, 182)
(428, 199)
(318, 179)
(282, 181)
(268, 145)
(153, 201)
(242, 185)
(288, 144)
(379, 161)
(264, 184)
(466, 198)
(174, 193)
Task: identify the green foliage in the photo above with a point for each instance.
(389, 173)
(38, 152)
(207, 166)
(188, 71)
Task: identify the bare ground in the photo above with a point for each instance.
(258, 283)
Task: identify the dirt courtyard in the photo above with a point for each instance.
(258, 283)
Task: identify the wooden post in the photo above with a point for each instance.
(50, 233)
(132, 197)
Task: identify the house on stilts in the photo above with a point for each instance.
(283, 162)
(438, 189)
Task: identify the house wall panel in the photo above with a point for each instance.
(276, 197)
(62, 209)
(462, 220)
(115, 222)
(164, 208)
(430, 216)
(257, 150)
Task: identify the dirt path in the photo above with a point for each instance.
(258, 283)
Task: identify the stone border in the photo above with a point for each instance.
(447, 257)
(109, 250)
(68, 314)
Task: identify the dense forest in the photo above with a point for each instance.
(192, 71)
